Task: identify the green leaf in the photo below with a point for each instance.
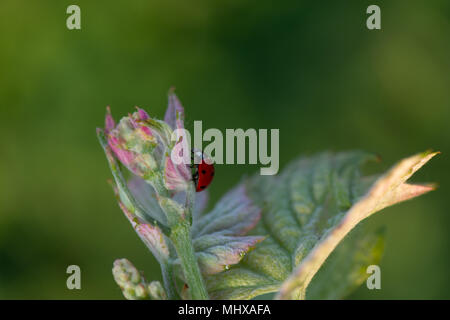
(145, 195)
(217, 253)
(235, 214)
(346, 267)
(219, 236)
(307, 210)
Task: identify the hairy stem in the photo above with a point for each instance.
(179, 219)
(181, 238)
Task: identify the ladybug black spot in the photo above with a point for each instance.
(212, 174)
(203, 171)
(202, 187)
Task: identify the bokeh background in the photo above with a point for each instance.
(311, 69)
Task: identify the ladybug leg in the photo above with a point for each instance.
(192, 159)
(192, 164)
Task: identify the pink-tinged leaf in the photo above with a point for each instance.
(124, 156)
(235, 214)
(140, 165)
(143, 115)
(147, 133)
(218, 236)
(217, 253)
(154, 239)
(109, 121)
(406, 192)
(175, 112)
(140, 143)
(152, 236)
(176, 177)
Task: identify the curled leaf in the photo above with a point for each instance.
(387, 190)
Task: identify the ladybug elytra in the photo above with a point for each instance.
(203, 173)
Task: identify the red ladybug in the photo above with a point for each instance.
(203, 172)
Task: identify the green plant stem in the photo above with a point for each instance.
(180, 219)
(181, 238)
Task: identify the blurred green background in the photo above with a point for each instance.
(311, 69)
